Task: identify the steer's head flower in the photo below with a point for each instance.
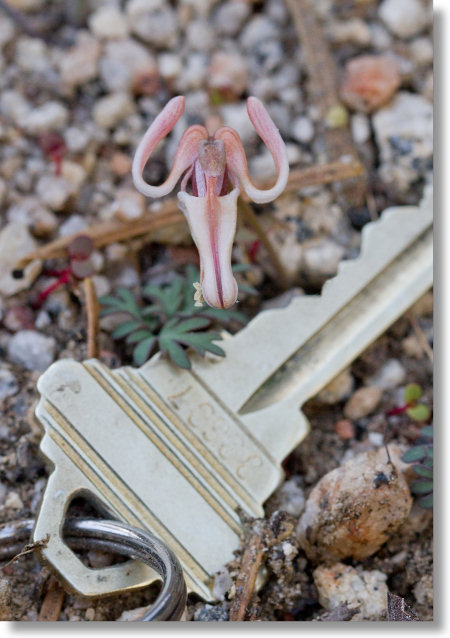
(212, 170)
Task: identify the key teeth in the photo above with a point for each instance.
(372, 234)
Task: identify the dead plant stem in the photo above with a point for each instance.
(107, 233)
(92, 312)
(53, 601)
(324, 93)
(247, 212)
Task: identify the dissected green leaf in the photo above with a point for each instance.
(419, 412)
(169, 297)
(221, 315)
(183, 333)
(429, 451)
(415, 453)
(187, 325)
(413, 391)
(149, 311)
(426, 501)
(143, 350)
(202, 342)
(139, 335)
(124, 301)
(125, 329)
(129, 301)
(421, 486)
(177, 354)
(171, 320)
(427, 431)
(422, 470)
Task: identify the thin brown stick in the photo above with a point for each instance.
(266, 534)
(53, 601)
(110, 232)
(27, 549)
(324, 174)
(253, 221)
(420, 336)
(21, 20)
(245, 583)
(323, 75)
(92, 312)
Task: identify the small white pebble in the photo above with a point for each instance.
(289, 550)
(376, 438)
(360, 126)
(13, 501)
(90, 614)
(302, 129)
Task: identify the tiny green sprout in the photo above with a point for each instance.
(171, 322)
(415, 410)
(421, 455)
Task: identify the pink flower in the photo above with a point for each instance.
(212, 168)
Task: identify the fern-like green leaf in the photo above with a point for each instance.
(125, 329)
(169, 297)
(176, 333)
(426, 501)
(427, 431)
(415, 453)
(177, 354)
(421, 486)
(143, 350)
(124, 301)
(422, 470)
(139, 335)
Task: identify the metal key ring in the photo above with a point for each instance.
(123, 539)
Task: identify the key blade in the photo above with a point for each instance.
(351, 330)
(274, 336)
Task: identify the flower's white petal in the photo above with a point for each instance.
(237, 162)
(213, 232)
(184, 157)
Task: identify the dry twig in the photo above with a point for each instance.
(20, 20)
(421, 338)
(266, 533)
(110, 232)
(247, 212)
(324, 92)
(53, 601)
(27, 549)
(92, 312)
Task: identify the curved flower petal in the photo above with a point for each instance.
(212, 222)
(184, 157)
(237, 162)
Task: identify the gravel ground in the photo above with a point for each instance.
(79, 84)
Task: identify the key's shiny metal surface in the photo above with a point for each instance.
(179, 452)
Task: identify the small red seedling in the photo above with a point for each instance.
(417, 411)
(79, 250)
(53, 145)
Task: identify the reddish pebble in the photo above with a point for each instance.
(369, 82)
(345, 429)
(146, 82)
(19, 318)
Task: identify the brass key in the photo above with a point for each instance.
(179, 452)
